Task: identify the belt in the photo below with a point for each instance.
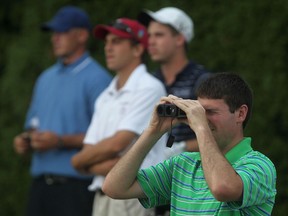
(54, 179)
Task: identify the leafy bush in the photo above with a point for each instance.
(246, 37)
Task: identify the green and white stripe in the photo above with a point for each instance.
(180, 181)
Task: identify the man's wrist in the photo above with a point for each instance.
(60, 143)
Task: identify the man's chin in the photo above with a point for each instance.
(59, 54)
(111, 67)
(157, 59)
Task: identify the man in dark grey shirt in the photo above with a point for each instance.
(170, 30)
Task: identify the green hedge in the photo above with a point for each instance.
(246, 37)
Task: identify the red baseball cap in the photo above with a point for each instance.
(125, 28)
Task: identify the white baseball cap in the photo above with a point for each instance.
(172, 16)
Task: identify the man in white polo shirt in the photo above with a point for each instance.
(122, 112)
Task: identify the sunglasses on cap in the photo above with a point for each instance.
(125, 28)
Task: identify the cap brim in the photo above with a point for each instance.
(46, 27)
(101, 31)
(52, 26)
(144, 18)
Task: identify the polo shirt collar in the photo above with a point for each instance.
(74, 64)
(239, 150)
(243, 147)
(131, 83)
(186, 70)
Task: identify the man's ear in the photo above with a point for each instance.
(83, 35)
(180, 40)
(138, 50)
(242, 113)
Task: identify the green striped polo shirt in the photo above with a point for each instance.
(180, 182)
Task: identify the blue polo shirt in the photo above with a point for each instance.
(63, 103)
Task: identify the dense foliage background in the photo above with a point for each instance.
(246, 37)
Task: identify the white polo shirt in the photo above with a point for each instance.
(129, 108)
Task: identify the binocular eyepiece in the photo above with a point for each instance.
(170, 110)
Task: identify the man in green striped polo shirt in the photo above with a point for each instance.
(226, 176)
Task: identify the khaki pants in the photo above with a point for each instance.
(105, 206)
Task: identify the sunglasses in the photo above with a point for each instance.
(125, 28)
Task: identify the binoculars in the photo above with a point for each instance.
(170, 110)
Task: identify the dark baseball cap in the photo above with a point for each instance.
(124, 28)
(66, 18)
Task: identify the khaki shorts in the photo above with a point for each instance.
(106, 206)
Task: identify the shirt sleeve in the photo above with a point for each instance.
(259, 183)
(95, 85)
(156, 184)
(90, 136)
(32, 111)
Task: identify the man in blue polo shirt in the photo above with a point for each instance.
(58, 117)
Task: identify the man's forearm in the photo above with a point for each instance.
(103, 168)
(87, 157)
(71, 141)
(105, 149)
(121, 181)
(222, 179)
(192, 145)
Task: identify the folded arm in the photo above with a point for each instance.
(106, 149)
(104, 167)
